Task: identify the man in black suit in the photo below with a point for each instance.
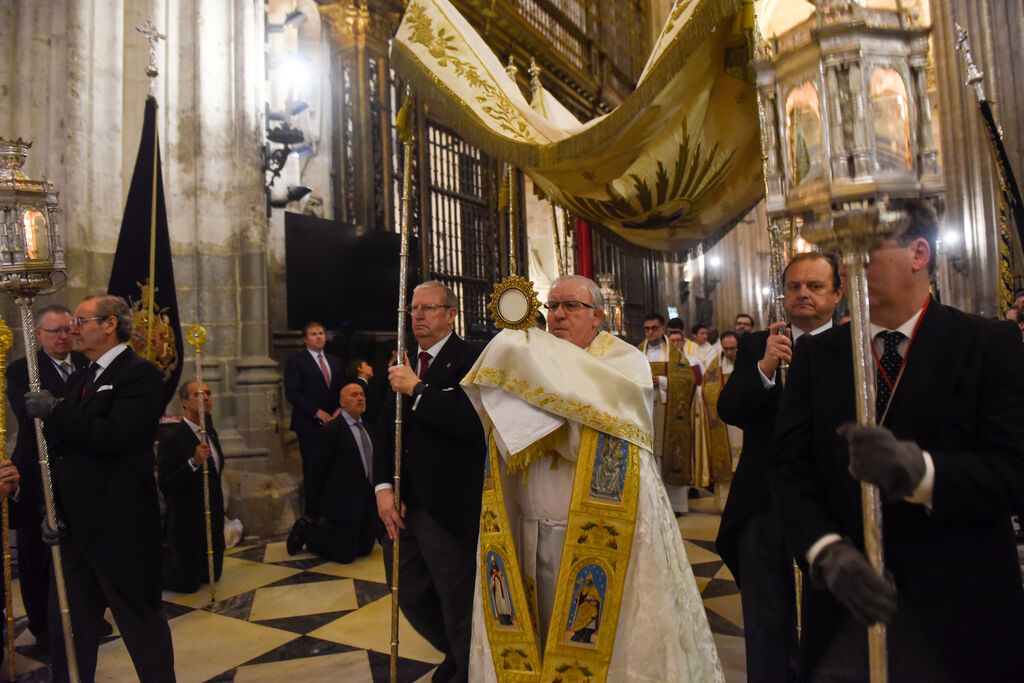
(180, 457)
(56, 363)
(101, 441)
(345, 523)
(947, 457)
(750, 537)
(312, 381)
(442, 479)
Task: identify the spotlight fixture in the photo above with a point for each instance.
(295, 193)
(297, 108)
(295, 18)
(291, 20)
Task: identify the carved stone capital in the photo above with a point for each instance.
(351, 23)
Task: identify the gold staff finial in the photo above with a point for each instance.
(196, 336)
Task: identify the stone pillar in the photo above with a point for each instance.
(967, 165)
(75, 74)
(219, 235)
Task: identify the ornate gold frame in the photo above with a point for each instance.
(505, 319)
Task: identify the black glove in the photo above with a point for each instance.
(895, 467)
(40, 403)
(51, 537)
(845, 571)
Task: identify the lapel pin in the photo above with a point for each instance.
(449, 365)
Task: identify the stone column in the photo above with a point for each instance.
(75, 71)
(967, 165)
(213, 167)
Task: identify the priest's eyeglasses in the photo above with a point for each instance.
(56, 330)
(413, 310)
(569, 306)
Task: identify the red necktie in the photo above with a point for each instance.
(424, 363)
(323, 369)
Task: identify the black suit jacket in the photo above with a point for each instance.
(101, 442)
(26, 455)
(305, 389)
(961, 399)
(443, 446)
(747, 404)
(341, 491)
(183, 492)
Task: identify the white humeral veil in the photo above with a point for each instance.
(527, 384)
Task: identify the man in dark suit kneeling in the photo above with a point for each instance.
(180, 458)
(343, 506)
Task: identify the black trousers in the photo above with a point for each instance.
(186, 567)
(143, 628)
(306, 444)
(33, 563)
(913, 654)
(343, 540)
(435, 586)
(768, 598)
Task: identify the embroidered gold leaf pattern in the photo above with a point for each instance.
(448, 49)
(694, 177)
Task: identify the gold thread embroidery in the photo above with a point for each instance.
(445, 48)
(577, 411)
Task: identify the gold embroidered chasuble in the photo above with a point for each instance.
(719, 444)
(674, 428)
(582, 419)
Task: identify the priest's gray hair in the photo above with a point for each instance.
(596, 298)
(451, 299)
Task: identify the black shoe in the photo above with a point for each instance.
(106, 629)
(294, 543)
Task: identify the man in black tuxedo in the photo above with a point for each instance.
(345, 523)
(180, 457)
(101, 442)
(56, 363)
(312, 381)
(947, 457)
(442, 479)
(750, 537)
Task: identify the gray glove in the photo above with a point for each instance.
(40, 403)
(845, 571)
(895, 467)
(51, 537)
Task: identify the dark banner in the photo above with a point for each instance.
(157, 328)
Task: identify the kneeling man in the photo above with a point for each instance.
(343, 505)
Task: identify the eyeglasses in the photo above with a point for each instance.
(426, 309)
(79, 321)
(569, 306)
(55, 330)
(652, 328)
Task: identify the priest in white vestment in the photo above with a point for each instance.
(574, 514)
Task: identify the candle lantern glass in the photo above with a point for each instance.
(31, 254)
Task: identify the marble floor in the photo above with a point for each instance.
(279, 617)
